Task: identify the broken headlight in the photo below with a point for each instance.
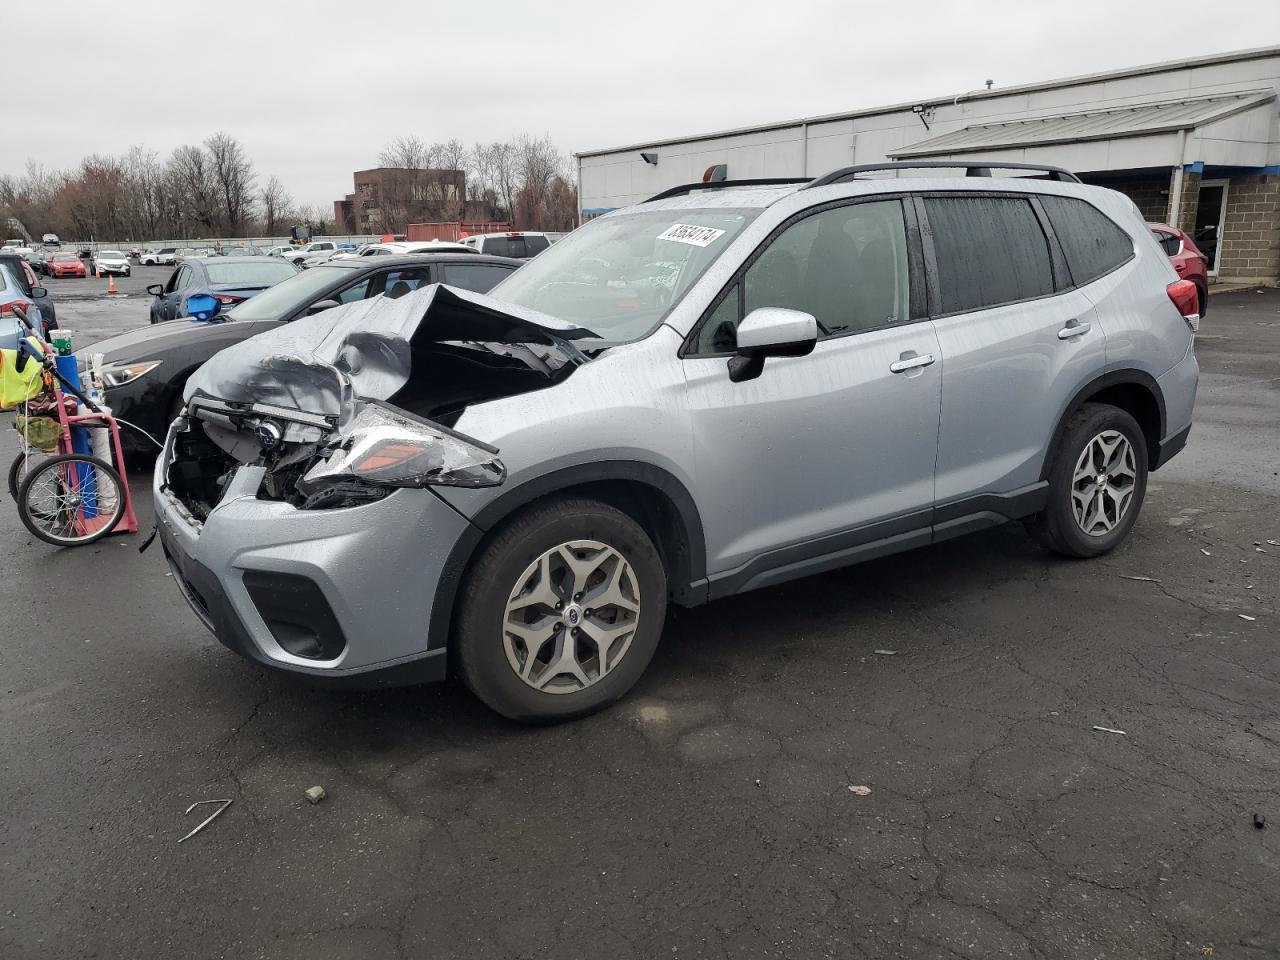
(385, 447)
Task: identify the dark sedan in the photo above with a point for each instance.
(147, 368)
(229, 280)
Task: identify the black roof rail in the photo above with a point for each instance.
(683, 189)
(972, 168)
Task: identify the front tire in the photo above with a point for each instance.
(561, 611)
(1096, 484)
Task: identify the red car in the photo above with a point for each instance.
(66, 265)
(1187, 259)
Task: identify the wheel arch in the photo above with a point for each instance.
(1133, 391)
(649, 494)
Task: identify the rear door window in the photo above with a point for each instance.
(1092, 243)
(480, 277)
(989, 250)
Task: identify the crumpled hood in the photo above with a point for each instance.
(320, 364)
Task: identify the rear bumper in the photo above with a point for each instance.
(1178, 387)
(367, 574)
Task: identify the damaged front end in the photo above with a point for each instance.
(345, 411)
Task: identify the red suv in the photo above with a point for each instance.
(1187, 259)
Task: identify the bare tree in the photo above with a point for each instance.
(233, 179)
(275, 204)
(143, 185)
(192, 191)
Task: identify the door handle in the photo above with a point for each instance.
(1074, 328)
(910, 363)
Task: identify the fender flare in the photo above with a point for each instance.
(1113, 378)
(693, 590)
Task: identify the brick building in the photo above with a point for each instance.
(1193, 142)
(387, 199)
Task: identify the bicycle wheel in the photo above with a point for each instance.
(71, 500)
(18, 469)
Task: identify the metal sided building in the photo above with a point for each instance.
(1195, 143)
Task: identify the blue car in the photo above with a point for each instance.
(229, 280)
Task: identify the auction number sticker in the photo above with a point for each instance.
(688, 233)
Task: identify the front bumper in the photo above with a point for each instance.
(257, 573)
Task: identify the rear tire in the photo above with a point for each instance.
(1097, 483)
(540, 573)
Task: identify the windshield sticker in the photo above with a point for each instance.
(688, 233)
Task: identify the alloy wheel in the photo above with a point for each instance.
(1103, 483)
(571, 616)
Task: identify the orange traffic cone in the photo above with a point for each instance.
(111, 285)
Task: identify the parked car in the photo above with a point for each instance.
(717, 390)
(65, 264)
(18, 288)
(281, 250)
(309, 249)
(401, 247)
(39, 260)
(519, 244)
(111, 262)
(148, 368)
(1186, 258)
(229, 280)
(191, 253)
(50, 240)
(28, 284)
(163, 257)
(242, 250)
(19, 247)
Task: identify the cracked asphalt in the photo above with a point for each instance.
(710, 814)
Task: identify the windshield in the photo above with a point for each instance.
(111, 254)
(301, 289)
(620, 275)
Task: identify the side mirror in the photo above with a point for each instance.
(771, 332)
(38, 292)
(322, 305)
(156, 289)
(201, 306)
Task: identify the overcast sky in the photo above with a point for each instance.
(315, 88)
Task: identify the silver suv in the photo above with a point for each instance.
(720, 389)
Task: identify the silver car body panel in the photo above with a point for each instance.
(799, 468)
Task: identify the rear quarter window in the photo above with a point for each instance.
(989, 250)
(477, 277)
(1092, 243)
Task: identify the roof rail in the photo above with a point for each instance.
(972, 168)
(683, 189)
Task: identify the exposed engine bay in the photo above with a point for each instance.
(346, 406)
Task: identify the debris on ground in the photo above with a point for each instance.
(1111, 730)
(1141, 579)
(1205, 552)
(1260, 821)
(207, 820)
(887, 653)
(860, 791)
(1245, 616)
(314, 794)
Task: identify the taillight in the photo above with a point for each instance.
(1186, 298)
(224, 298)
(6, 309)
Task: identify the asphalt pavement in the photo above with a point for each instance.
(711, 813)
